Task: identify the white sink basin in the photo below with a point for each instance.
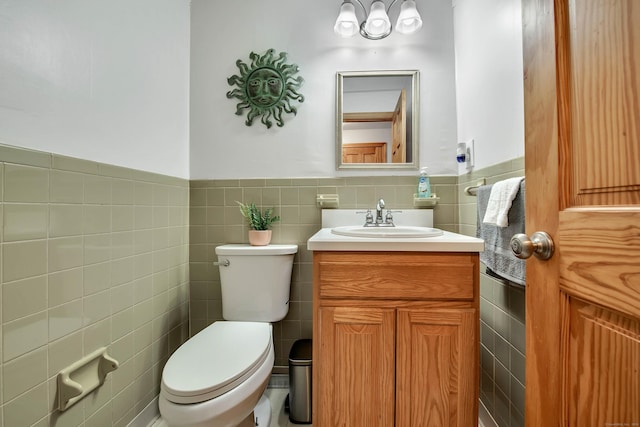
(386, 232)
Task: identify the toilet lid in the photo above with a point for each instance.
(215, 360)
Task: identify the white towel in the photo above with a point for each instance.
(502, 195)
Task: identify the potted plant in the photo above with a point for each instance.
(259, 223)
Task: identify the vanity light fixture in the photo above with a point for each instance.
(377, 25)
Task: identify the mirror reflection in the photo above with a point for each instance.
(376, 120)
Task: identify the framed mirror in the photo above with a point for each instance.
(377, 115)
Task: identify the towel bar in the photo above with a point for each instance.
(472, 190)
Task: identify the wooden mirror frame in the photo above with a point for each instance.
(411, 122)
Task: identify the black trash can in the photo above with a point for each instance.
(300, 382)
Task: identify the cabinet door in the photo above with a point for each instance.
(437, 376)
(356, 378)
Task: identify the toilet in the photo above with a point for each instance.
(218, 376)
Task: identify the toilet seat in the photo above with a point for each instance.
(215, 361)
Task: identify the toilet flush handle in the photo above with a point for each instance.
(224, 263)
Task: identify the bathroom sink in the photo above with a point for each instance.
(386, 232)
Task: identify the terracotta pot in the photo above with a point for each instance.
(259, 237)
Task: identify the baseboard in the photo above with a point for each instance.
(278, 381)
(280, 370)
(147, 416)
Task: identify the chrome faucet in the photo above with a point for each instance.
(379, 208)
(380, 220)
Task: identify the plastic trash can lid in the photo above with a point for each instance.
(301, 353)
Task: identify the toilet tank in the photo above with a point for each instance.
(256, 281)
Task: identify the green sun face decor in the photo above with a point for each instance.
(266, 88)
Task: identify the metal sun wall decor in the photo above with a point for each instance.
(266, 88)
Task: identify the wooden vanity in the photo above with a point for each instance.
(396, 338)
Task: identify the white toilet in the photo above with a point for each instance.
(218, 377)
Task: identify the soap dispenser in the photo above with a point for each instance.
(424, 186)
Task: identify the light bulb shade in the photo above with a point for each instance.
(409, 20)
(377, 24)
(347, 22)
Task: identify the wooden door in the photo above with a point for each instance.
(356, 381)
(437, 375)
(399, 130)
(364, 152)
(582, 166)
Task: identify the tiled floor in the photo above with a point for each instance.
(278, 417)
(281, 419)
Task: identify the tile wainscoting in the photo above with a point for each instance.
(92, 255)
(98, 255)
(215, 219)
(502, 317)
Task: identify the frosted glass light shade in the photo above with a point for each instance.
(409, 20)
(347, 22)
(378, 24)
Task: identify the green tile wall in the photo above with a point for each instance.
(98, 255)
(502, 316)
(91, 255)
(215, 219)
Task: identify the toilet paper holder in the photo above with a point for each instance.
(82, 377)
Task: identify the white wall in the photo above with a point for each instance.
(222, 146)
(109, 81)
(489, 78)
(98, 80)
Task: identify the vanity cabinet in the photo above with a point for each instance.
(395, 339)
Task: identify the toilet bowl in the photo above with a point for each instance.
(218, 376)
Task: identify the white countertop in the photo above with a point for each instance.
(325, 240)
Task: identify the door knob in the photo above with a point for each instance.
(540, 245)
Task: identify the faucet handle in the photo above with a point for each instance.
(389, 217)
(369, 217)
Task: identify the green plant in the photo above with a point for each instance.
(257, 219)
